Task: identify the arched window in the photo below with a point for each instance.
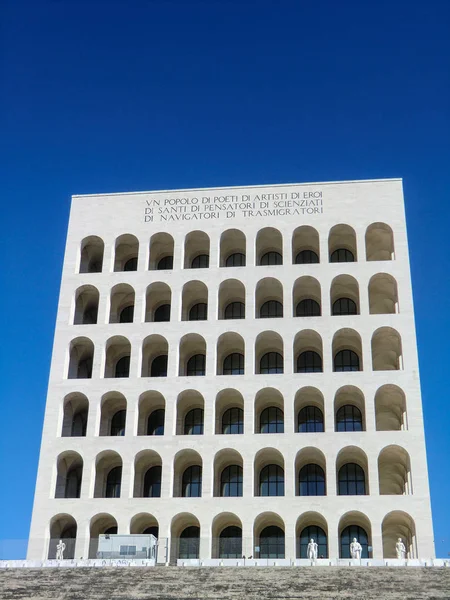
(113, 482)
(342, 255)
(131, 264)
(159, 366)
(344, 306)
(307, 308)
(349, 418)
(309, 362)
(271, 258)
(118, 423)
(319, 536)
(126, 314)
(165, 263)
(351, 480)
(310, 420)
(189, 543)
(233, 421)
(235, 260)
(152, 483)
(271, 309)
(311, 481)
(271, 420)
(196, 365)
(162, 313)
(122, 367)
(193, 422)
(271, 481)
(230, 542)
(271, 362)
(192, 482)
(200, 262)
(347, 536)
(231, 481)
(199, 312)
(235, 310)
(271, 542)
(155, 423)
(346, 360)
(79, 424)
(73, 483)
(306, 257)
(234, 364)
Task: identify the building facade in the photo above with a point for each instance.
(235, 372)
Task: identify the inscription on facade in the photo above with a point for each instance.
(172, 208)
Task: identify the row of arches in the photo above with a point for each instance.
(224, 537)
(349, 409)
(305, 246)
(269, 300)
(268, 467)
(308, 353)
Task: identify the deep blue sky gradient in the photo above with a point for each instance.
(108, 96)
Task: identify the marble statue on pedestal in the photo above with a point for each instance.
(312, 550)
(60, 550)
(355, 549)
(400, 549)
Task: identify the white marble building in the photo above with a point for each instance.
(235, 371)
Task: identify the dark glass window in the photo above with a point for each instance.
(165, 263)
(307, 308)
(271, 309)
(189, 543)
(84, 370)
(351, 480)
(155, 423)
(319, 536)
(79, 423)
(196, 365)
(310, 420)
(311, 481)
(233, 421)
(271, 481)
(230, 543)
(152, 531)
(199, 312)
(346, 360)
(271, 420)
(126, 314)
(271, 258)
(193, 422)
(162, 313)
(234, 364)
(349, 418)
(344, 306)
(118, 423)
(113, 482)
(306, 257)
(270, 363)
(131, 264)
(342, 255)
(235, 310)
(235, 260)
(192, 482)
(152, 483)
(200, 262)
(271, 542)
(159, 366)
(231, 481)
(122, 367)
(73, 483)
(309, 362)
(354, 531)
(90, 315)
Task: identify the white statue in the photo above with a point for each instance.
(400, 548)
(60, 550)
(312, 550)
(355, 549)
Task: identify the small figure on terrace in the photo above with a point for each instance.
(355, 549)
(312, 550)
(60, 550)
(400, 549)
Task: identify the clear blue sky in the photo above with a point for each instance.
(121, 95)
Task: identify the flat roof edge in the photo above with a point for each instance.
(239, 187)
